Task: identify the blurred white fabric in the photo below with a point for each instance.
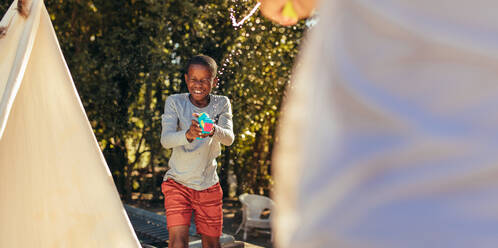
(389, 137)
(56, 189)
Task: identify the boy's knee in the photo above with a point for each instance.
(178, 242)
(178, 237)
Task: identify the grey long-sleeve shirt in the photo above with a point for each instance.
(194, 164)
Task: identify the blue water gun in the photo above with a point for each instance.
(205, 123)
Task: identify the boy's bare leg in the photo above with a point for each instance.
(210, 242)
(178, 237)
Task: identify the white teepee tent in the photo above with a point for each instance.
(55, 187)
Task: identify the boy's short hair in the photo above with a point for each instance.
(204, 60)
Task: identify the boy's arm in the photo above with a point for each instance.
(223, 130)
(170, 137)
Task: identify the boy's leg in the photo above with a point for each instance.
(210, 242)
(178, 205)
(208, 207)
(178, 236)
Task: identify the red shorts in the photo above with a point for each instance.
(180, 201)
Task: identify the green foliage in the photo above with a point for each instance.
(4, 6)
(126, 57)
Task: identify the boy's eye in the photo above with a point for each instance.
(201, 81)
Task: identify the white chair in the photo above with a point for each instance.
(252, 208)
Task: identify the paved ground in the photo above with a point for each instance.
(232, 217)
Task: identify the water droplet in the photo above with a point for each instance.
(241, 22)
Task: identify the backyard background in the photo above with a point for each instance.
(127, 57)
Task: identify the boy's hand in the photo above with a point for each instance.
(195, 130)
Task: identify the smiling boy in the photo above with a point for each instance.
(191, 185)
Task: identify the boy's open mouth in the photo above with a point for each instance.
(197, 92)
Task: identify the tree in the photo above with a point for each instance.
(126, 57)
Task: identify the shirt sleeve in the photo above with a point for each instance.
(170, 135)
(223, 132)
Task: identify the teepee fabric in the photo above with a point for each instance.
(55, 187)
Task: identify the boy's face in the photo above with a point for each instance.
(199, 82)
